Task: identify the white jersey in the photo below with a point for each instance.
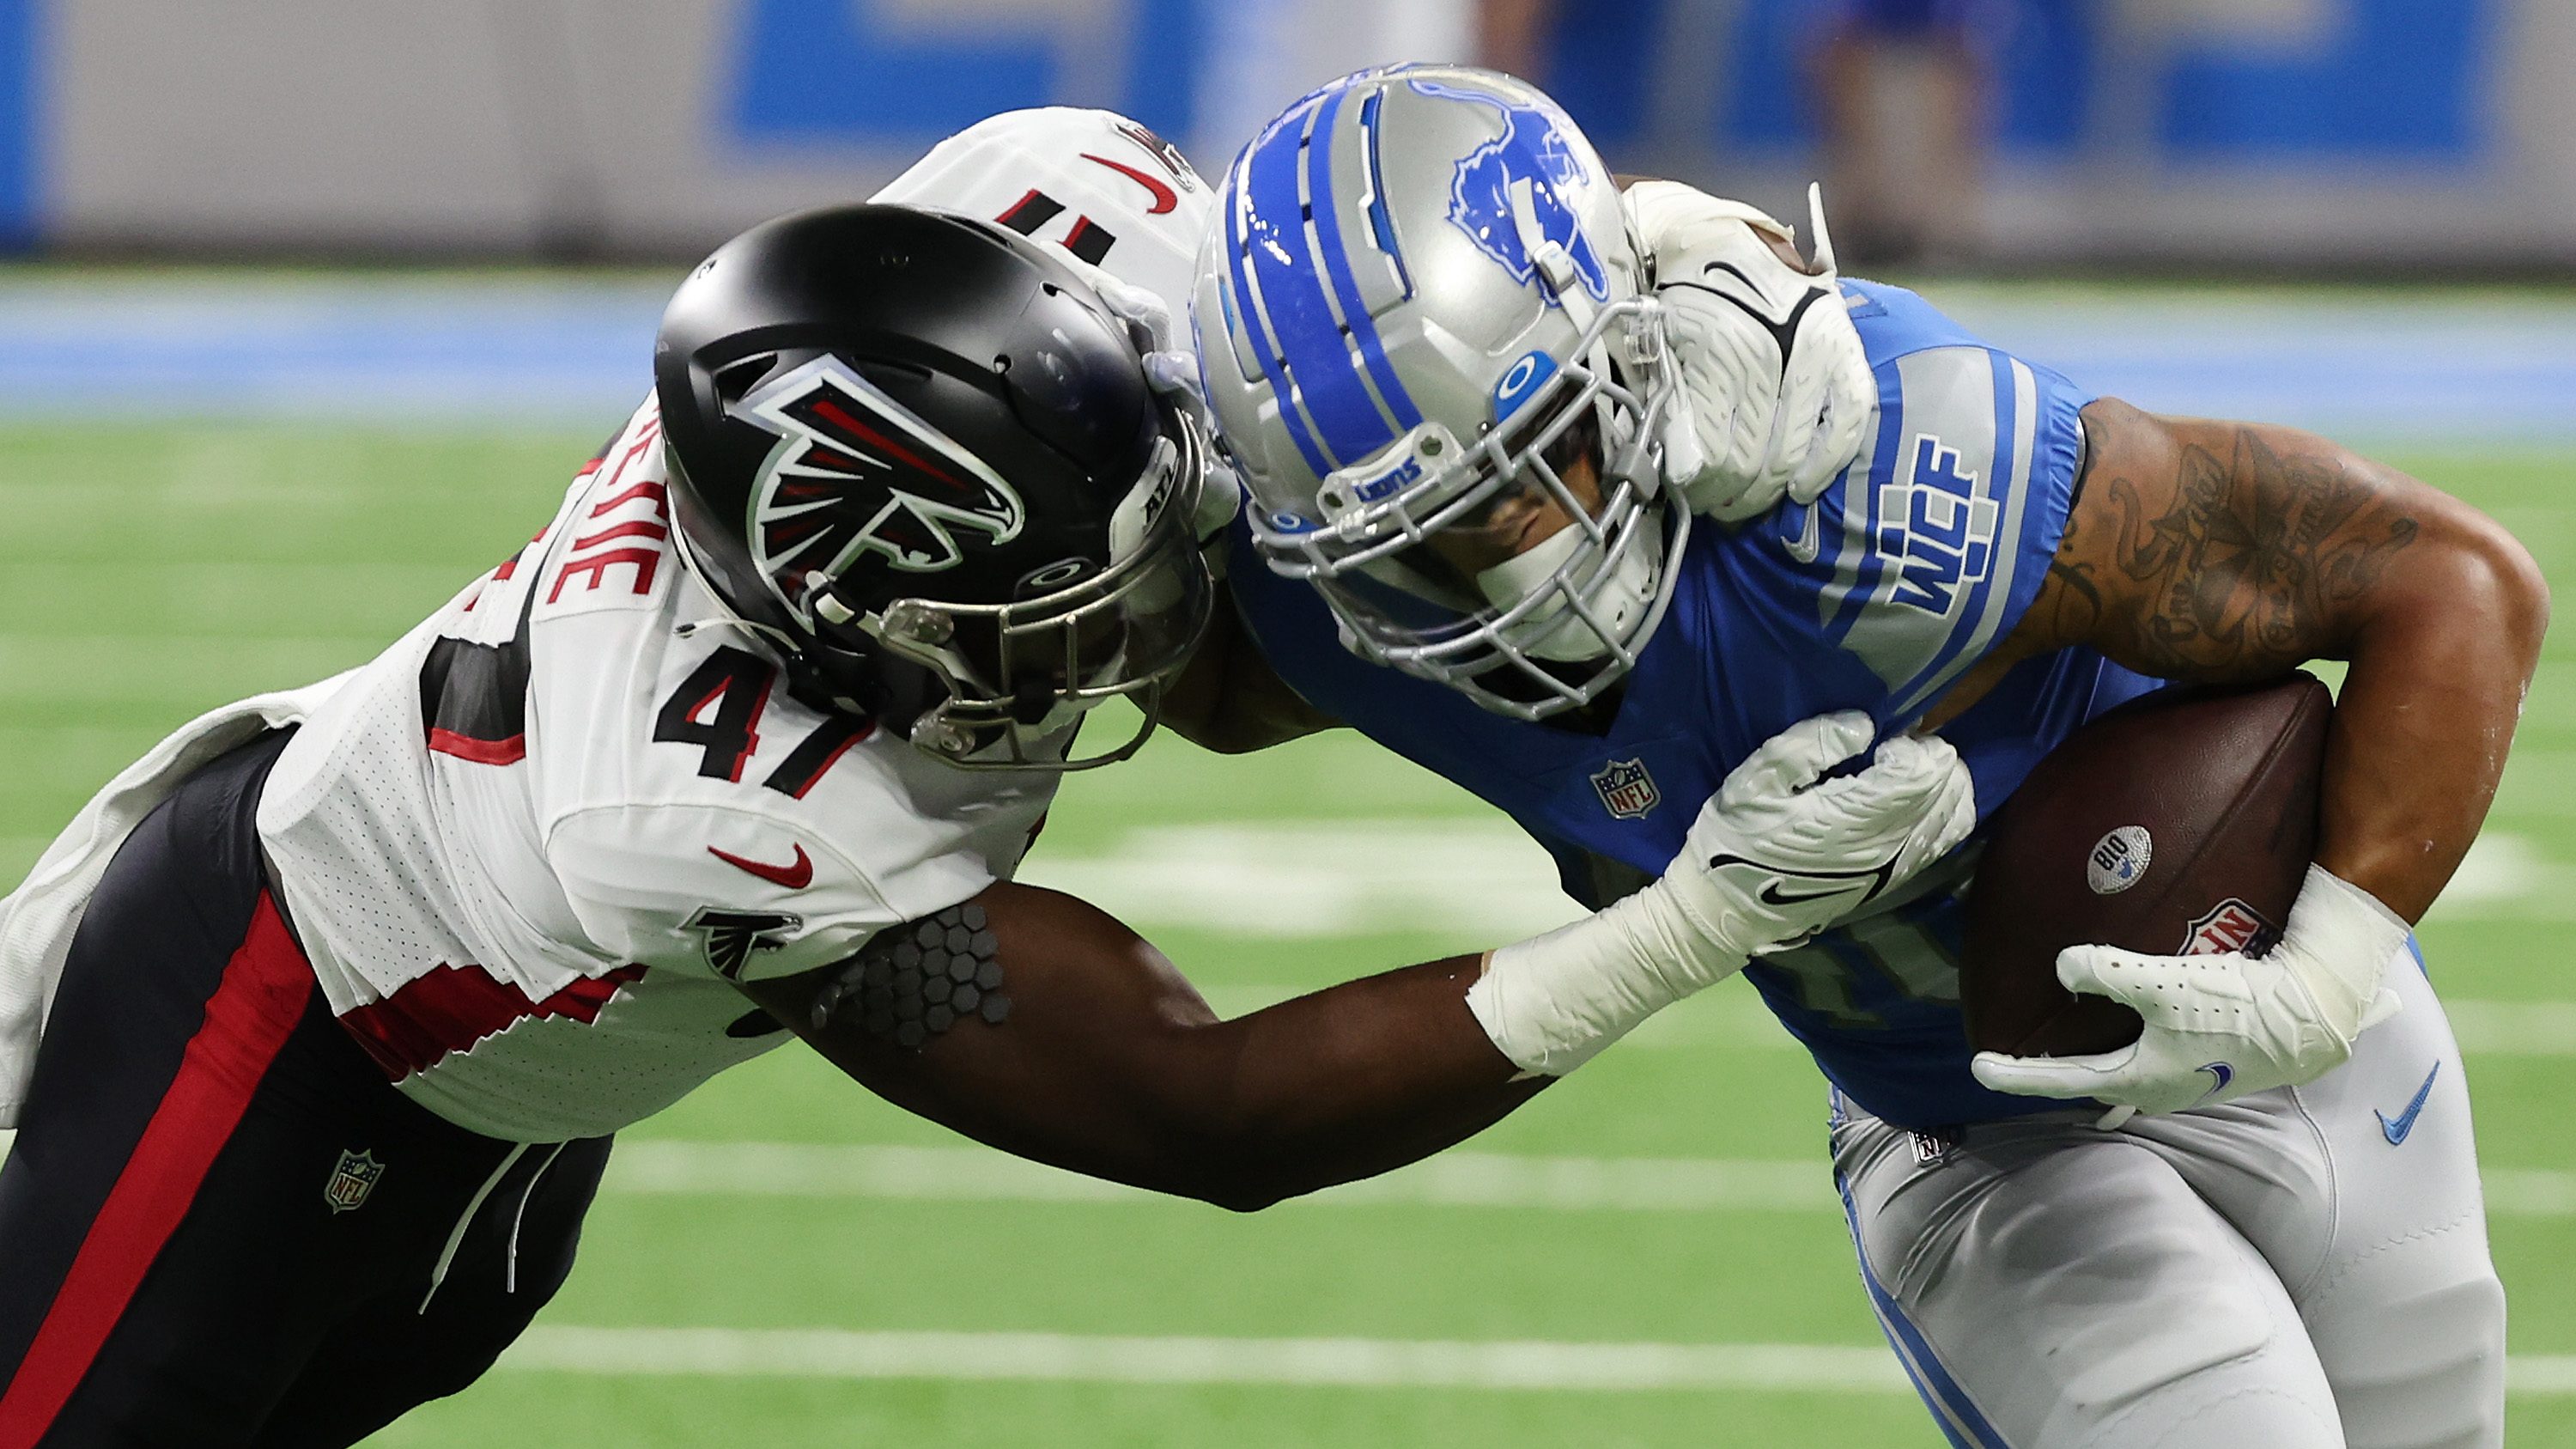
(527, 846)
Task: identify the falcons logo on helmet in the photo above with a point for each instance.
(856, 473)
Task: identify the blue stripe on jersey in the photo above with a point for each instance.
(1882, 465)
(1248, 308)
(2005, 551)
(1337, 262)
(1314, 350)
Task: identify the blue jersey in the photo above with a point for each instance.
(1912, 565)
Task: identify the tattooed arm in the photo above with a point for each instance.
(2206, 550)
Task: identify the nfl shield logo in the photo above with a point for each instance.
(2231, 925)
(351, 1181)
(1627, 791)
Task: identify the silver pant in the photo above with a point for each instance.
(2300, 1269)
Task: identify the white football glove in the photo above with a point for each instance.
(1776, 385)
(1171, 371)
(1777, 855)
(2221, 1026)
(1781, 852)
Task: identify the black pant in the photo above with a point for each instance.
(220, 1221)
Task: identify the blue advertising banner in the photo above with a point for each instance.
(2305, 131)
(2365, 81)
(21, 123)
(826, 70)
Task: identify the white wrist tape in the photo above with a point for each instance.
(1552, 1002)
(2339, 942)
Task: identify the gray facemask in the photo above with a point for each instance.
(1555, 629)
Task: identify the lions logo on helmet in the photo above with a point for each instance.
(1531, 159)
(837, 432)
(1422, 302)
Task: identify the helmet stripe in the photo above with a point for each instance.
(1314, 350)
(1381, 224)
(1337, 262)
(1248, 312)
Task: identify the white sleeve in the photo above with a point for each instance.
(707, 887)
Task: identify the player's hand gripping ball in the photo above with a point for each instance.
(2220, 1026)
(2147, 928)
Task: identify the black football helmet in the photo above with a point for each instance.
(920, 456)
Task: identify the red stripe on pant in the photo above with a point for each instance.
(254, 1010)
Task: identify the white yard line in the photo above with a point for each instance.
(1479, 877)
(2508, 877)
(1454, 1179)
(2511, 1028)
(651, 1166)
(2529, 1192)
(2534, 1374)
(1368, 1363)
(1304, 879)
(1475, 879)
(2539, 783)
(1087, 1358)
(1450, 1180)
(654, 1166)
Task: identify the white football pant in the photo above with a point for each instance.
(2300, 1269)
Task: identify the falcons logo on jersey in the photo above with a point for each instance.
(856, 473)
(732, 936)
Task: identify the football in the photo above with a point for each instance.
(2181, 822)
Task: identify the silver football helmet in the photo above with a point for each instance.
(1423, 332)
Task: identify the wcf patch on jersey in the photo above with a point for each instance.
(1627, 791)
(1935, 531)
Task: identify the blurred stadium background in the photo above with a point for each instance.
(320, 302)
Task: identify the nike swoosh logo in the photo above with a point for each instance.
(1835, 882)
(2396, 1128)
(1810, 540)
(1783, 334)
(2220, 1074)
(1772, 894)
(1164, 197)
(796, 875)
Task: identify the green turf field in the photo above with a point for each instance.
(893, 1282)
